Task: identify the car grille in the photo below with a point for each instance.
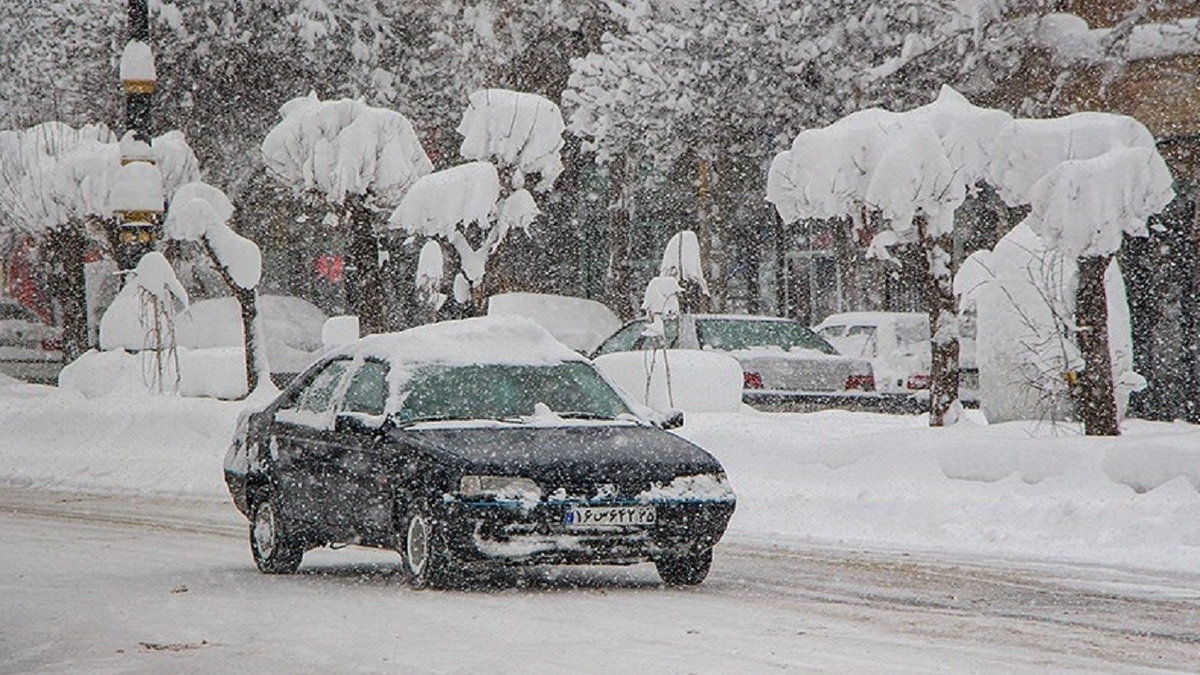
(598, 490)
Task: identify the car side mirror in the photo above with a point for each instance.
(351, 423)
(673, 419)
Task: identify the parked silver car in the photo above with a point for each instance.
(784, 364)
(29, 349)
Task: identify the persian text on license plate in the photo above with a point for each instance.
(597, 516)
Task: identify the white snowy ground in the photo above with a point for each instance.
(156, 576)
(884, 482)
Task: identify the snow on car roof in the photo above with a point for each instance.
(490, 340)
(869, 317)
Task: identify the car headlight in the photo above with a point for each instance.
(501, 488)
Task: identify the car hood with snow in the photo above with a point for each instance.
(620, 452)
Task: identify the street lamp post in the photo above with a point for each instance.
(140, 218)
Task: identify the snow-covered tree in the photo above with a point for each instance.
(1081, 208)
(359, 159)
(915, 168)
(54, 186)
(912, 168)
(201, 213)
(470, 206)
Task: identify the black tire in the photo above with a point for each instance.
(428, 562)
(275, 549)
(687, 569)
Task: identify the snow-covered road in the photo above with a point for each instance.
(138, 584)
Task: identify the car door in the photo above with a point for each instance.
(360, 479)
(302, 452)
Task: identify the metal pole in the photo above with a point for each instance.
(137, 103)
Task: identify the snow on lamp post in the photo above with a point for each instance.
(133, 189)
(137, 199)
(139, 80)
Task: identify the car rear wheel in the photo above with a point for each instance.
(275, 550)
(686, 569)
(427, 559)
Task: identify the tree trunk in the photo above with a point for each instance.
(783, 301)
(943, 323)
(620, 209)
(845, 252)
(366, 287)
(67, 246)
(709, 233)
(248, 301)
(1096, 402)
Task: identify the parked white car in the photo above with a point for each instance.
(783, 362)
(29, 349)
(897, 345)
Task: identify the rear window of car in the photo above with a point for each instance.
(737, 334)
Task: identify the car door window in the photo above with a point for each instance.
(311, 404)
(367, 391)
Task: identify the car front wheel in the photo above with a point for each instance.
(427, 558)
(275, 550)
(686, 569)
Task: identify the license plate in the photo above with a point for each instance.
(601, 516)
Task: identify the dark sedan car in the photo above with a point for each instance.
(467, 444)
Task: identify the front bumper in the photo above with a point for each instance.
(480, 531)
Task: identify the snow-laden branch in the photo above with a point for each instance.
(345, 147)
(1082, 207)
(514, 129)
(200, 212)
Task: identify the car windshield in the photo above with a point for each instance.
(496, 391)
(736, 334)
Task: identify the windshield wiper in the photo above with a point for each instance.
(411, 421)
(582, 415)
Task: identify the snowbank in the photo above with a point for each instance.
(292, 327)
(212, 373)
(683, 379)
(1019, 489)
